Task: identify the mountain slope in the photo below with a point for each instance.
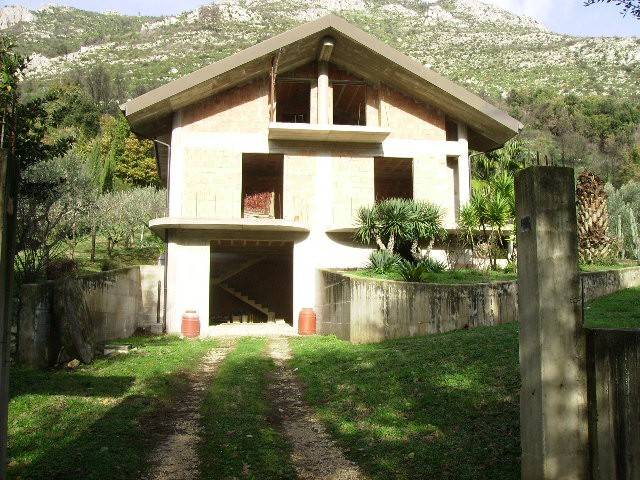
(487, 49)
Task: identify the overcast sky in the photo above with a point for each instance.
(567, 16)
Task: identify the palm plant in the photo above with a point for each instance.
(397, 221)
(593, 218)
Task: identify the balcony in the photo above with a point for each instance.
(327, 133)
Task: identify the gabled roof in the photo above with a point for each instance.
(355, 50)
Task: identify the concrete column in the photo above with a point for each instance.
(464, 168)
(309, 254)
(188, 279)
(323, 93)
(553, 398)
(176, 176)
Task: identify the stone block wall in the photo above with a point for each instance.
(119, 303)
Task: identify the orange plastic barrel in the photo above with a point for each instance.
(191, 324)
(307, 322)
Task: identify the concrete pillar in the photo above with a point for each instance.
(189, 257)
(464, 169)
(176, 175)
(553, 398)
(323, 93)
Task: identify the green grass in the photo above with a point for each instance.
(147, 254)
(91, 423)
(447, 277)
(618, 310)
(594, 267)
(443, 406)
(241, 440)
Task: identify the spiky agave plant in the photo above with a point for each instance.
(594, 243)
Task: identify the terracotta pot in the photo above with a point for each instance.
(307, 322)
(191, 324)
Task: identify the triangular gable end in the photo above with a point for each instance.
(355, 51)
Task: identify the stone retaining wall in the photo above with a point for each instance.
(119, 302)
(364, 310)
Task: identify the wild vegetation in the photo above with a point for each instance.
(80, 173)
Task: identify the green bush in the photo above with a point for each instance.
(432, 266)
(411, 272)
(383, 261)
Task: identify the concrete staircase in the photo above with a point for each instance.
(241, 296)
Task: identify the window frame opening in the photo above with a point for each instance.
(262, 185)
(392, 178)
(293, 101)
(349, 108)
(451, 129)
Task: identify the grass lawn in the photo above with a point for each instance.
(447, 277)
(241, 440)
(122, 257)
(594, 267)
(90, 423)
(618, 310)
(443, 406)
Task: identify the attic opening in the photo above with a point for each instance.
(393, 178)
(293, 101)
(451, 130)
(349, 103)
(262, 185)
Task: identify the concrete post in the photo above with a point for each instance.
(464, 168)
(323, 93)
(553, 398)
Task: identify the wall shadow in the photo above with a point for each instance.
(444, 406)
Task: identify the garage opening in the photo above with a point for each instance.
(251, 282)
(349, 103)
(293, 101)
(393, 178)
(262, 185)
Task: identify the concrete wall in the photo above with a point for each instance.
(613, 377)
(364, 310)
(119, 302)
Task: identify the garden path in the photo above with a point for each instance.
(315, 455)
(176, 455)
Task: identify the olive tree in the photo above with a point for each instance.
(122, 214)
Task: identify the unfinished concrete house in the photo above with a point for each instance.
(268, 154)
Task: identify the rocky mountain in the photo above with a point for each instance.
(485, 48)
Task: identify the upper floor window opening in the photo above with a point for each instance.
(349, 103)
(293, 101)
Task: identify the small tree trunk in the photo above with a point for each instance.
(93, 242)
(392, 243)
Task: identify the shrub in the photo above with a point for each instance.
(411, 272)
(107, 264)
(61, 267)
(383, 261)
(432, 266)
